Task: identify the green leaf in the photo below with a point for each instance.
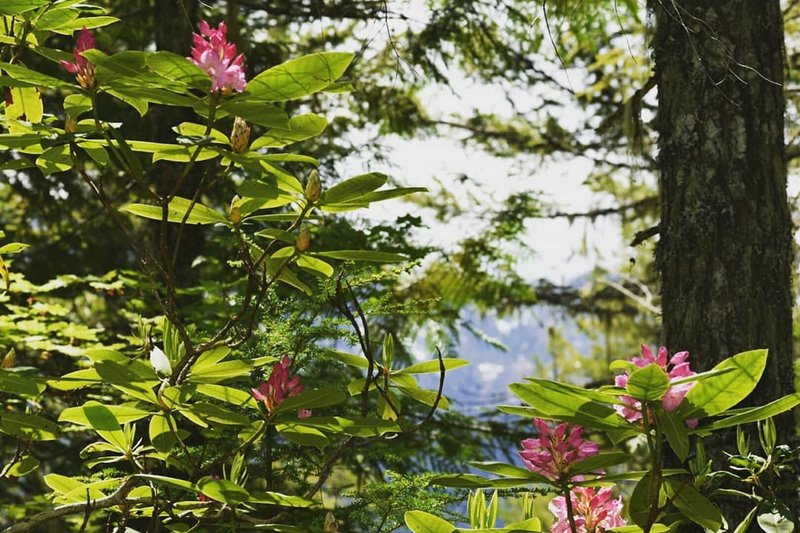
(103, 421)
(599, 462)
(177, 210)
(560, 401)
(299, 77)
(723, 391)
(223, 490)
(84, 22)
(507, 470)
(648, 383)
(12, 382)
(303, 434)
(124, 414)
(677, 435)
(171, 482)
(226, 394)
(161, 436)
(315, 266)
(54, 159)
(259, 113)
(210, 358)
(358, 361)
(21, 73)
(471, 481)
(191, 129)
(432, 366)
(280, 500)
(178, 69)
(300, 128)
(755, 414)
(216, 414)
(775, 522)
(693, 504)
(24, 103)
(25, 465)
(353, 188)
(17, 7)
(425, 396)
(27, 426)
(220, 372)
(313, 398)
(640, 503)
(422, 522)
(363, 255)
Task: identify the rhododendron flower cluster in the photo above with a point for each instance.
(676, 368)
(555, 450)
(213, 53)
(278, 387)
(594, 512)
(81, 67)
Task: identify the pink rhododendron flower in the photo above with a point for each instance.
(594, 512)
(555, 450)
(676, 368)
(214, 54)
(81, 67)
(278, 387)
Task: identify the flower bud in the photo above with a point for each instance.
(236, 215)
(313, 187)
(303, 240)
(240, 136)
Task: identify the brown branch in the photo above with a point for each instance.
(116, 498)
(604, 211)
(643, 235)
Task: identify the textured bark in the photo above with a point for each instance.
(725, 252)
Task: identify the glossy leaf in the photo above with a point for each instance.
(648, 383)
(432, 367)
(422, 522)
(754, 414)
(353, 188)
(299, 128)
(299, 77)
(363, 255)
(177, 210)
(693, 504)
(723, 391)
(674, 428)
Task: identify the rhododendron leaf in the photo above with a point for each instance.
(124, 414)
(648, 383)
(161, 436)
(299, 77)
(259, 113)
(363, 255)
(84, 22)
(223, 490)
(17, 7)
(12, 382)
(105, 423)
(677, 434)
(348, 358)
(54, 159)
(315, 266)
(432, 367)
(643, 494)
(21, 73)
(300, 128)
(24, 103)
(754, 414)
(621, 365)
(693, 504)
(170, 481)
(723, 391)
(313, 398)
(178, 69)
(350, 189)
(303, 434)
(216, 414)
(428, 397)
(472, 481)
(28, 426)
(559, 401)
(507, 470)
(422, 522)
(226, 394)
(191, 129)
(599, 462)
(25, 465)
(177, 211)
(281, 500)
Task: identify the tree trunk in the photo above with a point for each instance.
(725, 251)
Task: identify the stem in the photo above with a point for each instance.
(570, 512)
(268, 456)
(654, 443)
